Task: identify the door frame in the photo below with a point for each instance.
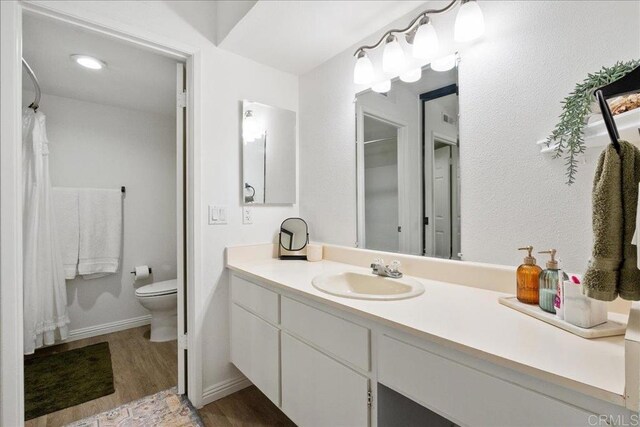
(11, 309)
(436, 136)
(404, 176)
(427, 146)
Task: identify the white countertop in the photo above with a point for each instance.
(473, 321)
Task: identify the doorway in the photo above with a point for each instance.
(115, 133)
(381, 180)
(381, 216)
(185, 145)
(441, 172)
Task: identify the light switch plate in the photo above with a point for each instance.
(217, 215)
(247, 215)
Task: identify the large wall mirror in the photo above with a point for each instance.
(408, 166)
(268, 154)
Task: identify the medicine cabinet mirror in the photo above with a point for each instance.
(408, 166)
(268, 154)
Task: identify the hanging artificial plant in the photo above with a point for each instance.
(568, 136)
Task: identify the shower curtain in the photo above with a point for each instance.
(45, 297)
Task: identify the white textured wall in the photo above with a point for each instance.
(511, 85)
(226, 80)
(99, 146)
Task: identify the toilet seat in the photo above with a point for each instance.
(166, 287)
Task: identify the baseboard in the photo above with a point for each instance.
(224, 388)
(107, 328)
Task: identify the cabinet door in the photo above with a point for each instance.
(319, 391)
(255, 351)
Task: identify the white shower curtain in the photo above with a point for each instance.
(45, 297)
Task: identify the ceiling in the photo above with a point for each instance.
(297, 36)
(134, 78)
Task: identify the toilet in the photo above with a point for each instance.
(161, 299)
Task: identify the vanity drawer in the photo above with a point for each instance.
(466, 395)
(255, 298)
(339, 337)
(255, 350)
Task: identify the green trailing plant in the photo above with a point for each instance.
(568, 135)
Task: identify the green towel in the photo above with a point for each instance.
(601, 278)
(613, 270)
(629, 284)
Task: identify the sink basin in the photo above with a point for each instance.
(367, 286)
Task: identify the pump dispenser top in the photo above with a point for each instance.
(529, 259)
(552, 264)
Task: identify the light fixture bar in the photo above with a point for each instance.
(408, 28)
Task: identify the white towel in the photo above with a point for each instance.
(65, 209)
(100, 232)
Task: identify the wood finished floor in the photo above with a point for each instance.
(141, 368)
(247, 407)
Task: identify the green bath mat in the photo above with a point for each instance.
(57, 381)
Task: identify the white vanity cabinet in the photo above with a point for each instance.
(310, 363)
(255, 342)
(319, 391)
(322, 366)
(466, 395)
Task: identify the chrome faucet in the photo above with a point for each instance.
(390, 270)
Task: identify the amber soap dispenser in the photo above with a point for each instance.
(527, 278)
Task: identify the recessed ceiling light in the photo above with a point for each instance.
(89, 62)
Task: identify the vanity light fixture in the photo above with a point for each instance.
(411, 76)
(393, 60)
(425, 42)
(88, 61)
(445, 63)
(421, 36)
(363, 71)
(382, 87)
(469, 22)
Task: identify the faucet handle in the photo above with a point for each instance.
(378, 261)
(394, 266)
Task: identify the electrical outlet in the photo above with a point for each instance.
(247, 215)
(217, 215)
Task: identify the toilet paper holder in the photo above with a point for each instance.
(134, 272)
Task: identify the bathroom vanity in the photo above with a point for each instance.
(453, 349)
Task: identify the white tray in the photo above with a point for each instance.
(609, 329)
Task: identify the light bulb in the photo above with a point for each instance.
(250, 131)
(412, 75)
(88, 62)
(363, 71)
(469, 22)
(425, 42)
(393, 60)
(444, 64)
(382, 87)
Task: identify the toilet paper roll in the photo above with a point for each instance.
(142, 272)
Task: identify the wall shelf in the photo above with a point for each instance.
(595, 133)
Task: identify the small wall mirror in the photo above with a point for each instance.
(408, 166)
(294, 236)
(268, 154)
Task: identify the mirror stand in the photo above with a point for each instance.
(293, 239)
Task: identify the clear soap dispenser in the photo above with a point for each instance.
(527, 278)
(549, 282)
